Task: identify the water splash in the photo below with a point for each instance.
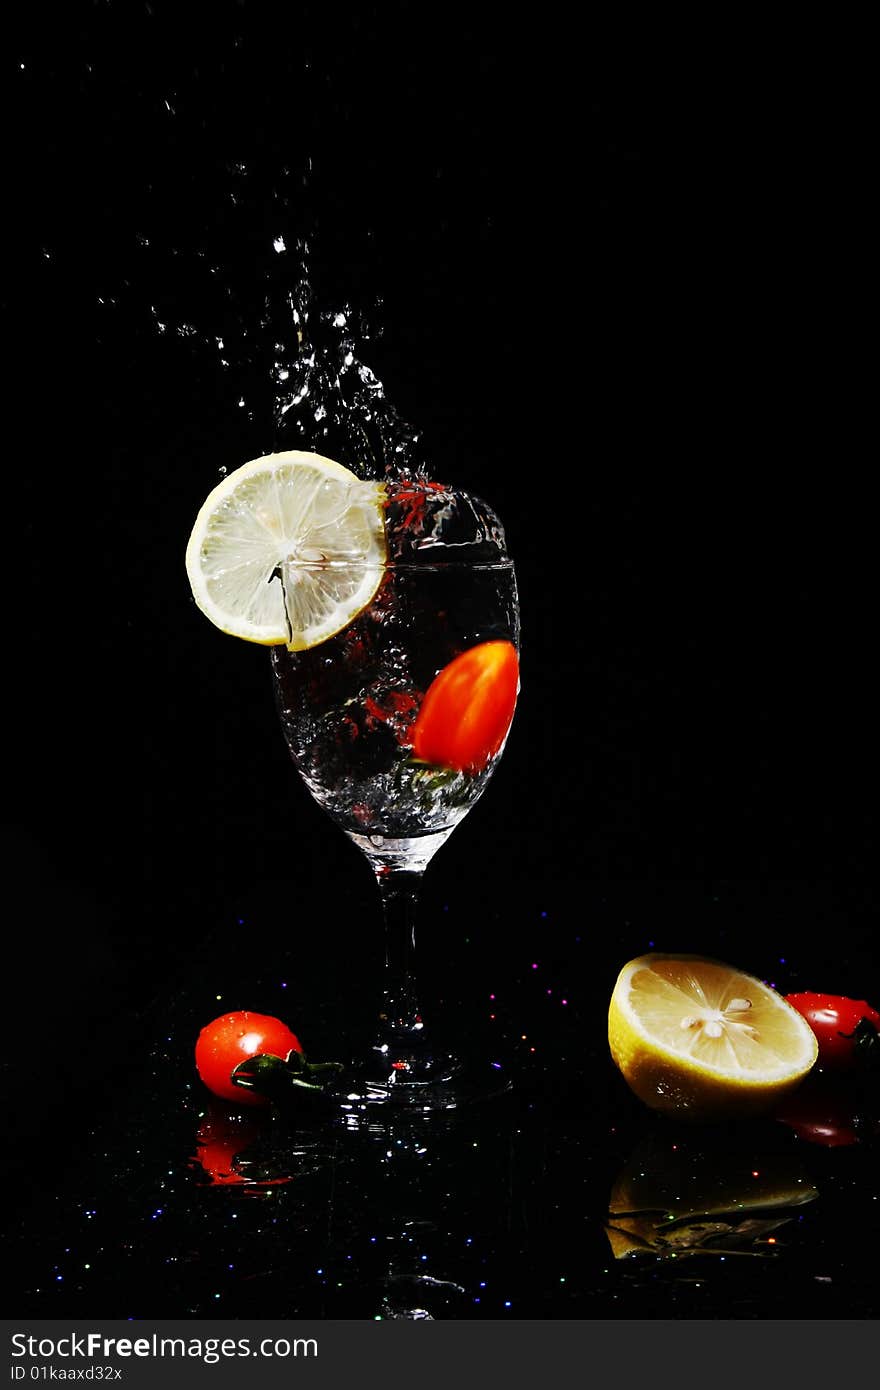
(326, 395)
(297, 367)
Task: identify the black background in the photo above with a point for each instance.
(619, 270)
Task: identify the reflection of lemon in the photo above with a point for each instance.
(674, 1183)
(288, 549)
(700, 1039)
(671, 1197)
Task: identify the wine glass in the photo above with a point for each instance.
(396, 725)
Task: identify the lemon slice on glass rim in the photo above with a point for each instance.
(699, 1039)
(288, 548)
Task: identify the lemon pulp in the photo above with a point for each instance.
(288, 548)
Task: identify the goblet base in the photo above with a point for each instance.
(418, 1084)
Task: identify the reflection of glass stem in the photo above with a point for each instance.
(401, 1016)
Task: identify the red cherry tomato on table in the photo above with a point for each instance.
(468, 707)
(234, 1038)
(847, 1029)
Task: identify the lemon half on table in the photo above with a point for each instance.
(702, 1040)
(288, 548)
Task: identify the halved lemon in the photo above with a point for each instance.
(700, 1039)
(289, 548)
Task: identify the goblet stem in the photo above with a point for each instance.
(401, 1017)
(405, 1062)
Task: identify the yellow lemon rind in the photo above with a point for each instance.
(669, 1081)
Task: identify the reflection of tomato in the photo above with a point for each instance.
(847, 1029)
(221, 1138)
(233, 1038)
(821, 1113)
(466, 713)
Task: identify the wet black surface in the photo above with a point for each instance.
(565, 1198)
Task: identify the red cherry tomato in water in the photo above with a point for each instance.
(468, 707)
(232, 1039)
(847, 1029)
